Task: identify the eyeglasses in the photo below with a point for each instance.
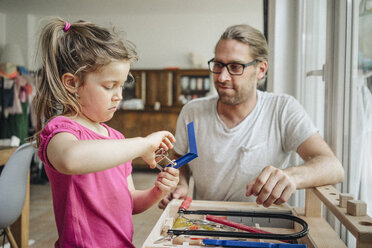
(130, 79)
(235, 69)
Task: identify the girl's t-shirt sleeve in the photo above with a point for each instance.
(53, 127)
(62, 124)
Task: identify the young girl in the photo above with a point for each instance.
(84, 68)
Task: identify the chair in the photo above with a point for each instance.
(13, 187)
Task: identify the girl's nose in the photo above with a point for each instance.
(118, 96)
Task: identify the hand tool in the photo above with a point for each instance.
(184, 206)
(291, 236)
(194, 224)
(192, 154)
(179, 222)
(193, 151)
(162, 154)
(223, 221)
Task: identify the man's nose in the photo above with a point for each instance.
(224, 75)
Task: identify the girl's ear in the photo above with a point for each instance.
(262, 69)
(70, 82)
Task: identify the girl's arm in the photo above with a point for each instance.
(69, 155)
(165, 183)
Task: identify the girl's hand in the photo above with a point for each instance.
(167, 180)
(161, 139)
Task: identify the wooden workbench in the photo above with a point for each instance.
(321, 234)
(20, 228)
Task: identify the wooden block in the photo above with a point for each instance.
(313, 205)
(344, 197)
(356, 208)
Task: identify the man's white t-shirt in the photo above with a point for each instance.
(231, 158)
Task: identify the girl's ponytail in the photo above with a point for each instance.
(77, 48)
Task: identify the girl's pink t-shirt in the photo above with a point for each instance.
(91, 210)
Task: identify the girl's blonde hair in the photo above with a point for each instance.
(84, 47)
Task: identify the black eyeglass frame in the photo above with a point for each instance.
(130, 78)
(226, 65)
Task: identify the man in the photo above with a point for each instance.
(245, 136)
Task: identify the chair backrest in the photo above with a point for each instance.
(13, 184)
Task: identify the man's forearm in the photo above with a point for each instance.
(317, 171)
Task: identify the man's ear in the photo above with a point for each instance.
(70, 82)
(262, 69)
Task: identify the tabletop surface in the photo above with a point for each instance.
(5, 153)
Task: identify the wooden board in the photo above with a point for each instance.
(359, 226)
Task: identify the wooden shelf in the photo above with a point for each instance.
(164, 86)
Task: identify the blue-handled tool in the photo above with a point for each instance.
(193, 151)
(235, 243)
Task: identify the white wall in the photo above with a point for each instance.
(2, 29)
(283, 48)
(164, 31)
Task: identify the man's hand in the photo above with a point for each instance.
(179, 193)
(271, 186)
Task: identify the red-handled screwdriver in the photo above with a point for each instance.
(184, 206)
(223, 221)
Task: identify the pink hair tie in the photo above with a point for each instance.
(67, 26)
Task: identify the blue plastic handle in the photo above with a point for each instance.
(235, 243)
(193, 151)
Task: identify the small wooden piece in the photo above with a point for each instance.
(344, 197)
(186, 241)
(168, 223)
(256, 225)
(356, 208)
